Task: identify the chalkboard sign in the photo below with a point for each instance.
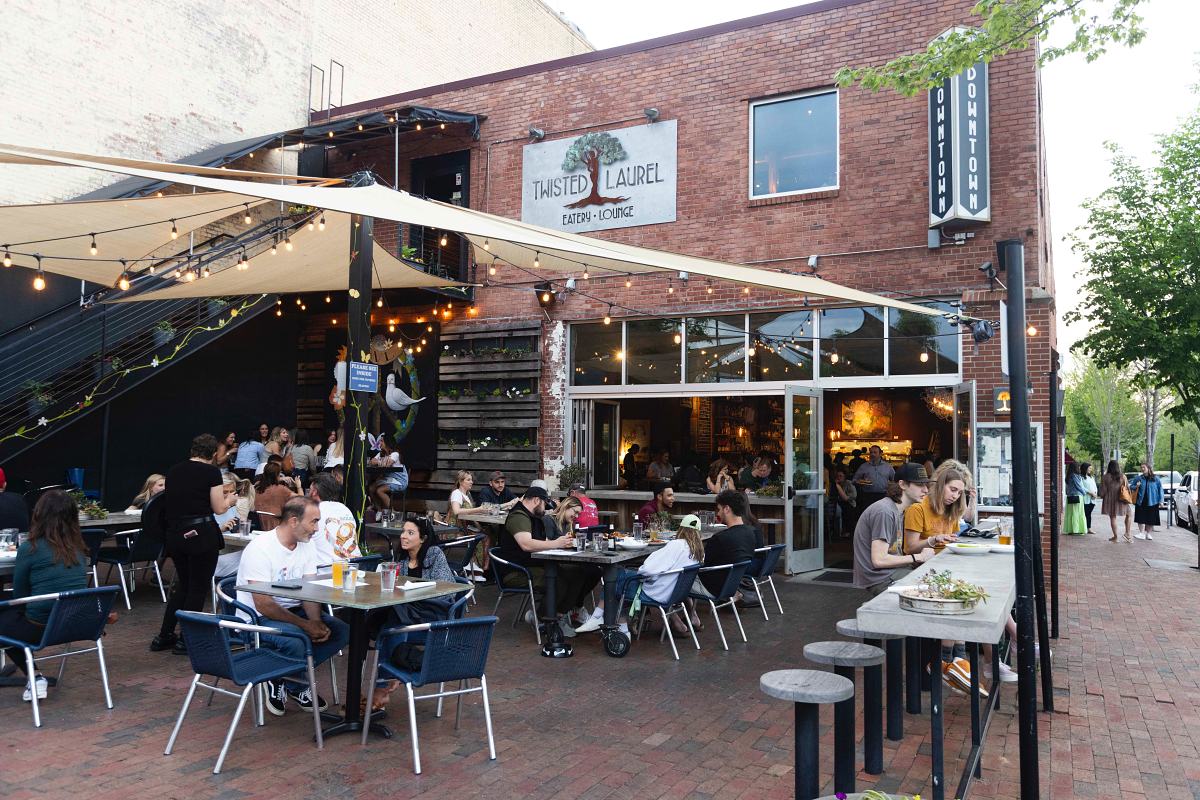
(994, 467)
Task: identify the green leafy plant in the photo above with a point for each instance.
(770, 490)
(572, 474)
(944, 586)
(40, 391)
(165, 327)
(496, 392)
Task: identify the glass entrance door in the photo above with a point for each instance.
(964, 425)
(605, 442)
(803, 487)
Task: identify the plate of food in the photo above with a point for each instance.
(940, 593)
(969, 548)
(629, 543)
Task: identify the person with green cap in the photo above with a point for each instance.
(685, 550)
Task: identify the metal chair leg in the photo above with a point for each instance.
(32, 674)
(717, 619)
(312, 689)
(161, 589)
(212, 691)
(441, 688)
(258, 705)
(373, 675)
(762, 604)
(771, 581)
(62, 666)
(691, 628)
(520, 610)
(499, 599)
(667, 630)
(237, 715)
(103, 673)
(182, 713)
(738, 617)
(537, 627)
(463, 684)
(487, 716)
(333, 677)
(124, 591)
(412, 725)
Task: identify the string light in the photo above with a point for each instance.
(391, 328)
(205, 273)
(487, 245)
(311, 224)
(379, 302)
(1031, 330)
(586, 276)
(274, 246)
(833, 357)
(492, 269)
(279, 312)
(93, 249)
(442, 241)
(418, 126)
(472, 310)
(708, 288)
(304, 307)
(418, 348)
(608, 316)
(174, 230)
(39, 281)
(423, 340)
(745, 290)
(536, 262)
(443, 126)
(321, 224)
(287, 244)
(924, 356)
(246, 216)
(679, 339)
(297, 301)
(360, 125)
(328, 299)
(123, 281)
(7, 259)
(628, 282)
(333, 321)
(670, 288)
(429, 328)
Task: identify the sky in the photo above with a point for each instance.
(1129, 96)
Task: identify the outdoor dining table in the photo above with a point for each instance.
(392, 532)
(483, 514)
(984, 625)
(113, 521)
(355, 604)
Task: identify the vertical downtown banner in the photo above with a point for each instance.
(602, 179)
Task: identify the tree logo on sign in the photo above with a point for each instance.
(590, 151)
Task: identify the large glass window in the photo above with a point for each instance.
(920, 344)
(654, 348)
(596, 354)
(716, 350)
(794, 144)
(782, 346)
(852, 341)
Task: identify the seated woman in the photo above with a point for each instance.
(719, 478)
(394, 480)
(304, 458)
(333, 450)
(270, 493)
(575, 581)
(227, 449)
(54, 559)
(685, 550)
(153, 485)
(227, 564)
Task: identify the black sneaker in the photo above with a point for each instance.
(304, 700)
(277, 695)
(160, 642)
(180, 648)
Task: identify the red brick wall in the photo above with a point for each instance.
(706, 84)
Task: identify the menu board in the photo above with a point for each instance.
(994, 466)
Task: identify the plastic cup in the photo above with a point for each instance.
(1005, 538)
(339, 568)
(350, 578)
(387, 577)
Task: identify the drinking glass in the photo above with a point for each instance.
(387, 576)
(638, 531)
(350, 578)
(22, 537)
(339, 568)
(5, 540)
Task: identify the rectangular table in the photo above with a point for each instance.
(356, 604)
(995, 572)
(610, 561)
(483, 515)
(392, 532)
(113, 521)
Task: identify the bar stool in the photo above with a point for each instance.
(808, 689)
(845, 657)
(893, 646)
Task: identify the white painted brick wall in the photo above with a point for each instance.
(164, 80)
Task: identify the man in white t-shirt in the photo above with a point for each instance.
(284, 556)
(337, 530)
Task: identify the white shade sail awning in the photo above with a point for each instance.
(514, 242)
(318, 262)
(131, 229)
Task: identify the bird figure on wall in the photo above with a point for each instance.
(337, 397)
(395, 398)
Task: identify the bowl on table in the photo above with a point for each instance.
(969, 548)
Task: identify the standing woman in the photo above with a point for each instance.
(1091, 492)
(1115, 500)
(193, 539)
(1074, 523)
(1148, 494)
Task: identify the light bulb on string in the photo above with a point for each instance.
(297, 301)
(429, 328)
(924, 356)
(472, 310)
(586, 274)
(608, 316)
(487, 245)
(304, 308)
(312, 225)
(328, 299)
(174, 230)
(709, 288)
(442, 241)
(678, 339)
(628, 282)
(246, 216)
(321, 224)
(379, 302)
(391, 328)
(279, 312)
(287, 244)
(418, 348)
(418, 126)
(536, 262)
(443, 126)
(123, 281)
(7, 259)
(492, 269)
(333, 322)
(93, 249)
(745, 290)
(274, 246)
(39, 280)
(205, 273)
(423, 340)
(833, 357)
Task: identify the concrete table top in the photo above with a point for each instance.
(806, 686)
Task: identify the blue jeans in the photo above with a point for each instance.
(339, 635)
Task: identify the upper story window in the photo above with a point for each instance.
(794, 144)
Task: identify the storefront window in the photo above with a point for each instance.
(783, 346)
(716, 350)
(596, 354)
(654, 347)
(794, 144)
(922, 345)
(852, 341)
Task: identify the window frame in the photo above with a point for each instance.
(837, 142)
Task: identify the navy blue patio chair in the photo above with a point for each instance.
(733, 577)
(674, 604)
(762, 570)
(141, 547)
(77, 616)
(455, 650)
(208, 647)
(469, 544)
(500, 568)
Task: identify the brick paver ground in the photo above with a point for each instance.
(1127, 705)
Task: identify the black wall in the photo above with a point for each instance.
(242, 379)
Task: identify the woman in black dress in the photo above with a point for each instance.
(193, 539)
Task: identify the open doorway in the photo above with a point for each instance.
(446, 178)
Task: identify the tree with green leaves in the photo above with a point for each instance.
(1102, 417)
(1005, 26)
(1141, 248)
(590, 151)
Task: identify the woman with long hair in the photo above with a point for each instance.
(154, 484)
(1115, 499)
(394, 480)
(333, 449)
(1147, 494)
(279, 443)
(264, 433)
(54, 559)
(562, 521)
(719, 478)
(1091, 492)
(1074, 523)
(227, 448)
(270, 493)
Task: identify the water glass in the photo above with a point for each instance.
(580, 542)
(638, 531)
(22, 537)
(350, 578)
(387, 576)
(5, 540)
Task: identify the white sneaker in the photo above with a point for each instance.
(41, 685)
(592, 623)
(623, 628)
(1007, 673)
(564, 623)
(530, 619)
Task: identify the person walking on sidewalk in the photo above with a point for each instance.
(1147, 491)
(1115, 499)
(1074, 523)
(1092, 492)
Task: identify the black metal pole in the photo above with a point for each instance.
(1171, 477)
(1055, 460)
(358, 327)
(1011, 256)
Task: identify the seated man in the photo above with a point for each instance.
(13, 511)
(589, 516)
(661, 503)
(337, 531)
(282, 555)
(497, 492)
(736, 542)
(879, 557)
(522, 535)
(756, 475)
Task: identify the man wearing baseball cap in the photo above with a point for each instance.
(13, 512)
(497, 491)
(878, 552)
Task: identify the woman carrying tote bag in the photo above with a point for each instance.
(1115, 500)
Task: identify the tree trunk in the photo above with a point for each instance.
(591, 160)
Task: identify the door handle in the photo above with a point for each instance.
(791, 492)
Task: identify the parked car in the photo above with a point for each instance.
(1170, 482)
(1187, 502)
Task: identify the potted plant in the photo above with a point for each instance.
(39, 397)
(570, 475)
(164, 332)
(216, 306)
(102, 367)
